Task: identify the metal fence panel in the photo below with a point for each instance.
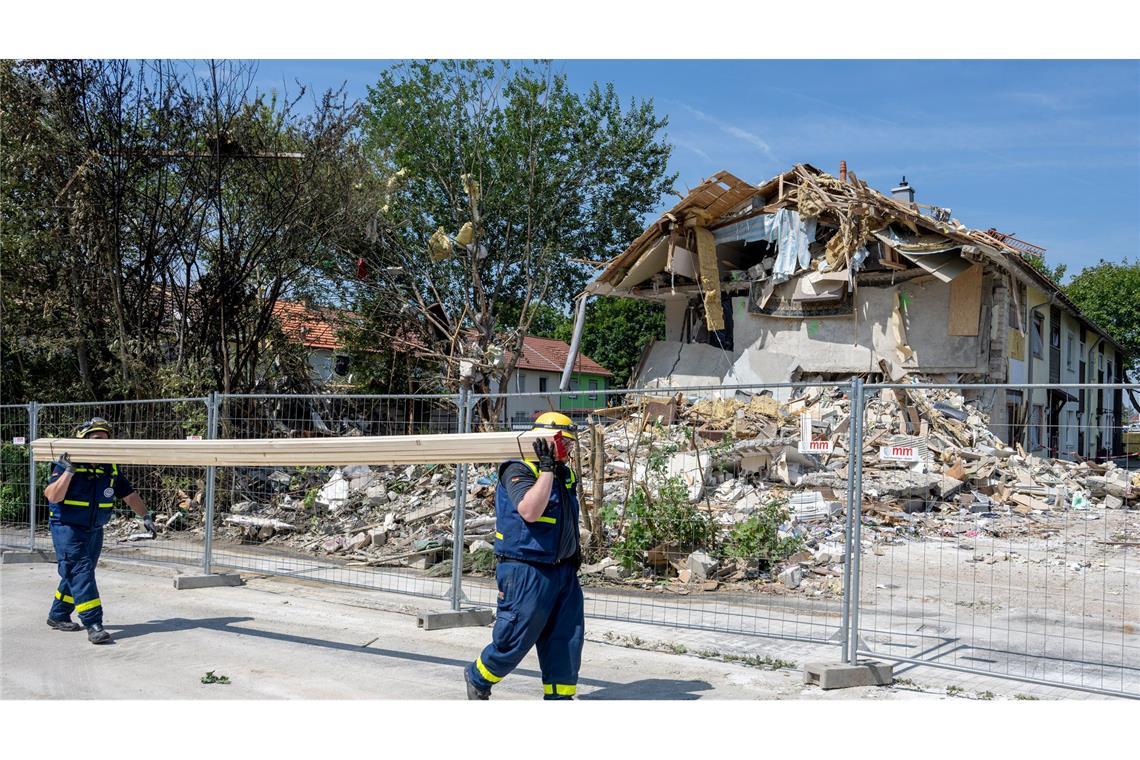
(333, 524)
(697, 521)
(174, 494)
(15, 437)
(991, 559)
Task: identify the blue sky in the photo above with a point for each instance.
(1047, 150)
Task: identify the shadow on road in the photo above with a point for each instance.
(651, 688)
(654, 688)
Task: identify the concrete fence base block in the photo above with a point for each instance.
(9, 557)
(182, 582)
(431, 621)
(842, 676)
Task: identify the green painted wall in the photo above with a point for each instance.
(582, 399)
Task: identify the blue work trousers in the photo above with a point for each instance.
(539, 606)
(77, 552)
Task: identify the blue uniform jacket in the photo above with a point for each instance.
(90, 495)
(550, 539)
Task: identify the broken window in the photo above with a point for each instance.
(542, 385)
(522, 382)
(1016, 299)
(1070, 344)
(342, 365)
(593, 385)
(1055, 333)
(1036, 427)
(1037, 336)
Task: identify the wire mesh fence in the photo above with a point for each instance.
(15, 510)
(175, 494)
(688, 505)
(997, 532)
(333, 523)
(1000, 548)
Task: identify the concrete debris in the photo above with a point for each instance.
(933, 471)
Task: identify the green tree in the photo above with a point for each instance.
(501, 181)
(1037, 261)
(1109, 293)
(153, 215)
(616, 332)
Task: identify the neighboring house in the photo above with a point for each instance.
(316, 329)
(539, 370)
(813, 277)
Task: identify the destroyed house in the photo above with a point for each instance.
(810, 277)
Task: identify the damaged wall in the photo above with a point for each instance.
(774, 349)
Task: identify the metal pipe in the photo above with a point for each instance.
(212, 404)
(854, 439)
(33, 429)
(854, 542)
(579, 325)
(457, 523)
(1029, 362)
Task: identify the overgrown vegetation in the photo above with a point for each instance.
(758, 537)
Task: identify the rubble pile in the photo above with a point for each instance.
(931, 469)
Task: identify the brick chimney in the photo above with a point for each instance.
(904, 193)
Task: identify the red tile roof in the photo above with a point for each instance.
(549, 355)
(313, 328)
(317, 328)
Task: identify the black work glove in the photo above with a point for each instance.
(148, 524)
(545, 454)
(64, 461)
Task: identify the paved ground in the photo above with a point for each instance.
(289, 639)
(293, 637)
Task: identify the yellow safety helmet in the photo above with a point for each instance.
(556, 421)
(93, 425)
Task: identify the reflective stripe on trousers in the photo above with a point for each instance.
(77, 553)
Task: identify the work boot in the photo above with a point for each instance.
(64, 625)
(473, 691)
(96, 634)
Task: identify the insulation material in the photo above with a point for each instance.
(471, 187)
(898, 329)
(945, 265)
(682, 262)
(791, 233)
(710, 278)
(652, 262)
(439, 245)
(466, 234)
(966, 302)
(818, 286)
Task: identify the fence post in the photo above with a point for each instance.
(33, 433)
(212, 404)
(854, 440)
(854, 538)
(457, 527)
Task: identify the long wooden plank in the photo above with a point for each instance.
(448, 448)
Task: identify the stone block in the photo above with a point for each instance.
(432, 621)
(183, 582)
(843, 676)
(11, 557)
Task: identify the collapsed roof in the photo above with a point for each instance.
(800, 238)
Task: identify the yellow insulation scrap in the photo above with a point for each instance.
(471, 187)
(439, 245)
(710, 278)
(466, 234)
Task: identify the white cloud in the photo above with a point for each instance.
(730, 129)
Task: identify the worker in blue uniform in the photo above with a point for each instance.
(536, 546)
(80, 501)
